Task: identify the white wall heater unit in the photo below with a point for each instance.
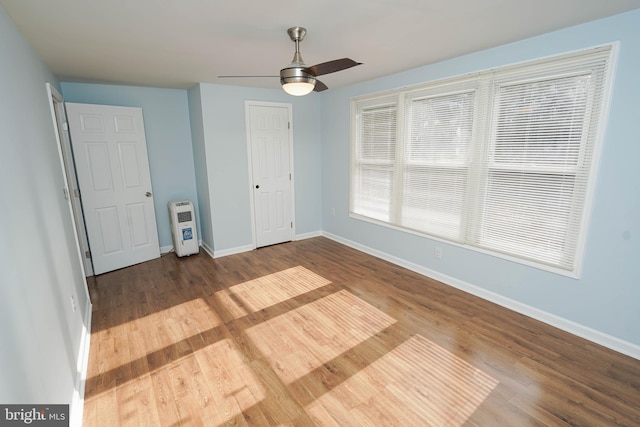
(183, 228)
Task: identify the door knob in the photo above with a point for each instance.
(148, 194)
(257, 186)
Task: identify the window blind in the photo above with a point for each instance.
(374, 164)
(543, 129)
(436, 163)
(501, 160)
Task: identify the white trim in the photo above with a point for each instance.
(77, 404)
(76, 407)
(597, 152)
(448, 79)
(232, 251)
(512, 258)
(308, 235)
(566, 325)
(252, 207)
(68, 170)
(208, 249)
(249, 248)
(247, 118)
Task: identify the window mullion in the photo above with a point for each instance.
(472, 214)
(397, 194)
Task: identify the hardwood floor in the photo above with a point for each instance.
(316, 333)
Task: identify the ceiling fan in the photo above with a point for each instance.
(298, 79)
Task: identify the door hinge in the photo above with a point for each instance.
(76, 192)
(289, 177)
(65, 126)
(87, 254)
(291, 224)
(288, 125)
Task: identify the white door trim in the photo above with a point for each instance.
(56, 102)
(289, 107)
(70, 181)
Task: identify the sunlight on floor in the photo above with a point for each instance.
(300, 340)
(254, 295)
(216, 377)
(140, 337)
(309, 345)
(232, 386)
(424, 383)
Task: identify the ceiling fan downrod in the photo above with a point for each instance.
(296, 34)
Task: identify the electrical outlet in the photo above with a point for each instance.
(437, 253)
(73, 303)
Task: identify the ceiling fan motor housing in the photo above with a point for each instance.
(296, 74)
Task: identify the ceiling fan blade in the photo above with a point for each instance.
(320, 86)
(224, 77)
(331, 66)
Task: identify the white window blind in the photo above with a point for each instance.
(436, 162)
(502, 160)
(374, 158)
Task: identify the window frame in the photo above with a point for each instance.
(485, 84)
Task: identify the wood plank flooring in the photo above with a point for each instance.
(315, 333)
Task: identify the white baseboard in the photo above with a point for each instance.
(208, 249)
(232, 251)
(566, 325)
(247, 248)
(308, 235)
(77, 405)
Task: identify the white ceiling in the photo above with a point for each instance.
(176, 43)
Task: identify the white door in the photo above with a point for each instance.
(271, 157)
(110, 152)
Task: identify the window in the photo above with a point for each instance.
(436, 162)
(375, 158)
(501, 160)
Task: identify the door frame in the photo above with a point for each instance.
(71, 190)
(289, 107)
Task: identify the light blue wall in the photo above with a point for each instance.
(606, 296)
(224, 130)
(40, 267)
(168, 133)
(200, 166)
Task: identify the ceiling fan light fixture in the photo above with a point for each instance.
(297, 78)
(296, 82)
(297, 86)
